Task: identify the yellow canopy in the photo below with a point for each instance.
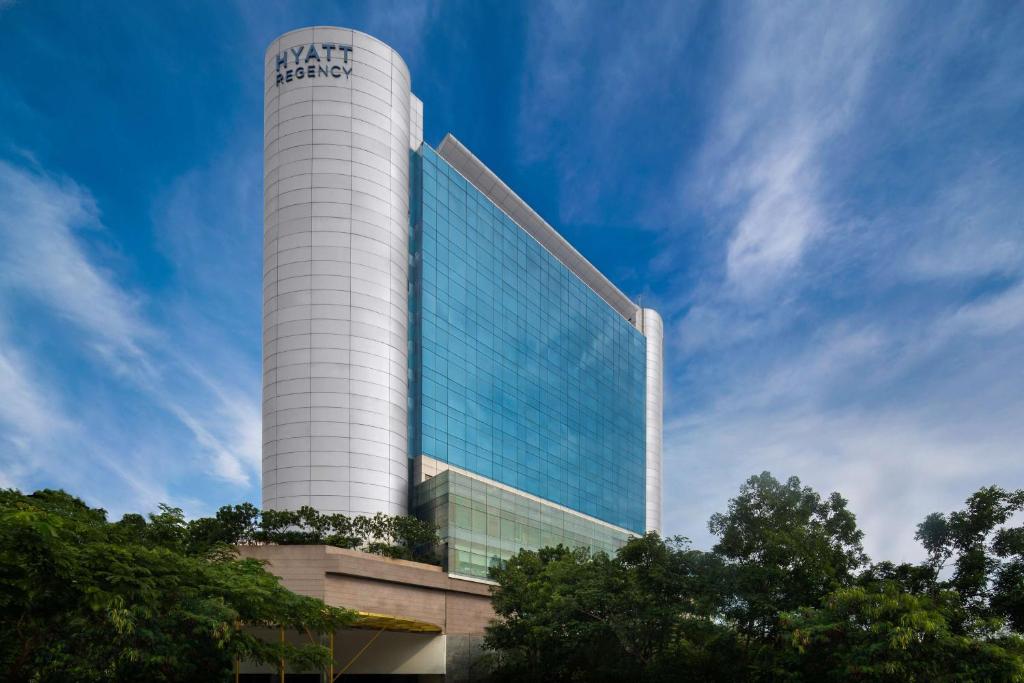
(387, 622)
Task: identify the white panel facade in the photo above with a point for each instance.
(415, 124)
(653, 328)
(336, 271)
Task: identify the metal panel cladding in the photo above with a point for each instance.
(336, 268)
(654, 330)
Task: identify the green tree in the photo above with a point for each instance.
(645, 614)
(786, 547)
(880, 632)
(231, 525)
(83, 599)
(400, 537)
(916, 579)
(984, 556)
(778, 599)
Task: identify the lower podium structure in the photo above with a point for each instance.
(418, 623)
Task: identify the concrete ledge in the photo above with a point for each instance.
(371, 583)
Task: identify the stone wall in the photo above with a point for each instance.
(370, 583)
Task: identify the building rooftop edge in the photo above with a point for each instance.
(487, 182)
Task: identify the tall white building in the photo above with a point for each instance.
(430, 340)
(337, 108)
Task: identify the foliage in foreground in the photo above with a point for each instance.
(787, 594)
(883, 633)
(84, 599)
(397, 536)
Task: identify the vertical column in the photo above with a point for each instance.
(653, 328)
(415, 123)
(336, 234)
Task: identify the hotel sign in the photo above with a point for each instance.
(330, 60)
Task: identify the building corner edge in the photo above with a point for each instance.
(653, 329)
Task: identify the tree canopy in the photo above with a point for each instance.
(566, 615)
(883, 633)
(161, 598)
(787, 594)
(785, 536)
(985, 556)
(396, 536)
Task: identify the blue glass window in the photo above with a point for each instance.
(525, 375)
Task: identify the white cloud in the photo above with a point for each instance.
(858, 318)
(893, 468)
(207, 223)
(972, 229)
(42, 441)
(783, 213)
(798, 78)
(24, 411)
(46, 268)
(43, 259)
(903, 421)
(903, 417)
(999, 314)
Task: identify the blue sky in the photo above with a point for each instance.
(824, 201)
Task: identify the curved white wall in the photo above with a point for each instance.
(653, 328)
(336, 262)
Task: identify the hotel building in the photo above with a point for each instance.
(431, 345)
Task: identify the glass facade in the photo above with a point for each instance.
(521, 374)
(482, 524)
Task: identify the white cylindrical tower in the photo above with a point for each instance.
(653, 328)
(336, 273)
